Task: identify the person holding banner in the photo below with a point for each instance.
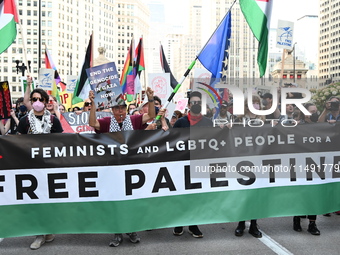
(163, 123)
(120, 121)
(39, 121)
(192, 120)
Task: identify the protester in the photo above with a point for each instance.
(248, 115)
(62, 108)
(131, 108)
(308, 119)
(39, 121)
(120, 121)
(224, 117)
(193, 119)
(267, 102)
(331, 112)
(87, 105)
(162, 123)
(288, 118)
(256, 119)
(173, 119)
(135, 112)
(10, 125)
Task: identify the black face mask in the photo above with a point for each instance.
(196, 108)
(314, 117)
(156, 109)
(23, 108)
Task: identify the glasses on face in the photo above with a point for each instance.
(87, 104)
(195, 102)
(35, 99)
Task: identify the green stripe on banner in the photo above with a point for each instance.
(169, 211)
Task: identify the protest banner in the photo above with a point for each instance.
(137, 180)
(79, 122)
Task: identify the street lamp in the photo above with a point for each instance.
(23, 67)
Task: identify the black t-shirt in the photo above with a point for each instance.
(24, 125)
(184, 122)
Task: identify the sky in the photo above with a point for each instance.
(289, 10)
(292, 10)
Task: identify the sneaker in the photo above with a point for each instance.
(178, 231)
(134, 238)
(39, 240)
(49, 238)
(313, 229)
(195, 232)
(327, 215)
(117, 240)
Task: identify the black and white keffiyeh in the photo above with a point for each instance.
(127, 124)
(38, 126)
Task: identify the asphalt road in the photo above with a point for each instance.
(279, 238)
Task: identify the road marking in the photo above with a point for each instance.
(272, 244)
(1, 239)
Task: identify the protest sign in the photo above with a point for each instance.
(104, 81)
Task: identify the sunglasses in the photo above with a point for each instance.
(195, 102)
(87, 104)
(35, 99)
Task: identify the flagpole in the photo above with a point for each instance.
(192, 65)
(216, 28)
(178, 86)
(24, 48)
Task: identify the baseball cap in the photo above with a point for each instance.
(224, 103)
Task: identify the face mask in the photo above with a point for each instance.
(256, 106)
(196, 109)
(23, 108)
(264, 102)
(156, 109)
(38, 106)
(314, 117)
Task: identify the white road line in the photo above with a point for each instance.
(272, 244)
(1, 239)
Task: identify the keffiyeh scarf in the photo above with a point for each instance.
(127, 124)
(38, 126)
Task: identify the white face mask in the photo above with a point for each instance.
(38, 106)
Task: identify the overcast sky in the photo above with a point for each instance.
(292, 10)
(289, 10)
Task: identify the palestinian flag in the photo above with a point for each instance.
(8, 20)
(257, 14)
(82, 88)
(166, 68)
(139, 53)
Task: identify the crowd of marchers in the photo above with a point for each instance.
(39, 113)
